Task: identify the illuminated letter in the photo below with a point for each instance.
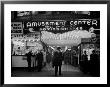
(47, 23)
(94, 22)
(71, 22)
(79, 22)
(88, 22)
(51, 23)
(84, 21)
(75, 22)
(34, 24)
(57, 23)
(43, 24)
(28, 24)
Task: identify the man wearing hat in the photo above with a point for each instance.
(57, 60)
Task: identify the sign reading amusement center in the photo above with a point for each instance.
(61, 26)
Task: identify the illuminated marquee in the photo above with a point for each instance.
(62, 25)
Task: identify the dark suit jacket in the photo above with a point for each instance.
(94, 58)
(29, 56)
(40, 58)
(84, 57)
(57, 59)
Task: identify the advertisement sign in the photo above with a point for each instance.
(23, 13)
(16, 28)
(19, 47)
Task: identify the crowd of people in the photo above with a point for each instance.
(38, 56)
(32, 58)
(91, 66)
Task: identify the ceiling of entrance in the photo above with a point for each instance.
(71, 38)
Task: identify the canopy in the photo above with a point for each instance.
(71, 38)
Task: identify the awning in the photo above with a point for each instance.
(71, 38)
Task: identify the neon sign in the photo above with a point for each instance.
(62, 25)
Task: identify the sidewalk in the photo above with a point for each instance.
(48, 71)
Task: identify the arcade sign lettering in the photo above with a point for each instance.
(62, 25)
(84, 22)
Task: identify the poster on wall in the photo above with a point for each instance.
(19, 47)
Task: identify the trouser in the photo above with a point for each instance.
(85, 67)
(66, 60)
(56, 70)
(29, 65)
(39, 66)
(95, 70)
(33, 62)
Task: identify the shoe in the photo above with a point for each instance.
(39, 70)
(60, 74)
(55, 75)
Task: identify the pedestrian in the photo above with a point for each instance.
(85, 62)
(57, 61)
(33, 61)
(36, 59)
(66, 57)
(48, 57)
(94, 64)
(44, 57)
(39, 60)
(29, 54)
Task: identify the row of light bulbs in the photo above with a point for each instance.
(34, 40)
(69, 35)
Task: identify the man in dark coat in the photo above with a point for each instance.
(29, 54)
(40, 60)
(57, 61)
(85, 62)
(94, 64)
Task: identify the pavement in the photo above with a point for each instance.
(48, 71)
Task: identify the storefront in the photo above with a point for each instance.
(21, 43)
(88, 45)
(47, 31)
(20, 46)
